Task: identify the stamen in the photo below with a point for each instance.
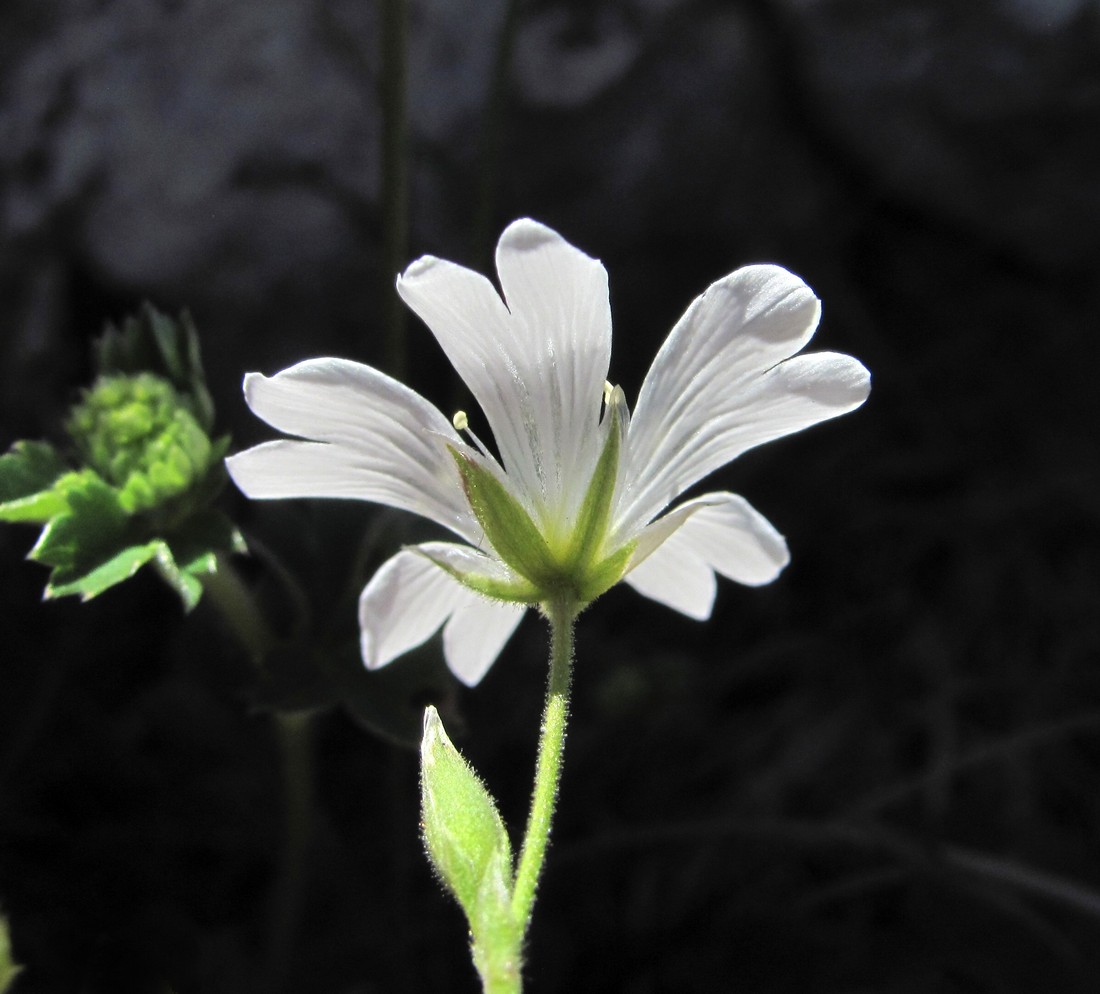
(608, 389)
(462, 423)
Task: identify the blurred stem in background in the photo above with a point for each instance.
(294, 734)
(492, 138)
(395, 175)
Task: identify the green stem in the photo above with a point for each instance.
(227, 592)
(295, 737)
(561, 615)
(225, 589)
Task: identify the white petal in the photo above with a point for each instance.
(719, 386)
(558, 298)
(410, 598)
(372, 439)
(719, 532)
(536, 367)
(476, 633)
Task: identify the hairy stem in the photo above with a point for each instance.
(561, 615)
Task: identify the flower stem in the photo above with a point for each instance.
(225, 589)
(561, 615)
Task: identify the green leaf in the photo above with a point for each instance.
(27, 468)
(36, 509)
(186, 579)
(28, 472)
(191, 553)
(8, 967)
(466, 839)
(89, 581)
(93, 544)
(155, 343)
(91, 527)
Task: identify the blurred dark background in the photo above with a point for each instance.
(880, 774)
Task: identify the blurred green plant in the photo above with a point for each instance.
(8, 967)
(134, 483)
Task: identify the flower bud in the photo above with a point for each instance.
(139, 434)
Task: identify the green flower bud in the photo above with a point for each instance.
(139, 434)
(463, 831)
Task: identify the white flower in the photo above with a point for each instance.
(531, 517)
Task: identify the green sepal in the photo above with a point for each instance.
(518, 591)
(466, 839)
(507, 525)
(28, 472)
(605, 574)
(590, 531)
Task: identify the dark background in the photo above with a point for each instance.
(880, 774)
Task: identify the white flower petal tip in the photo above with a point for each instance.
(836, 383)
(765, 303)
(525, 235)
(420, 269)
(717, 533)
(410, 598)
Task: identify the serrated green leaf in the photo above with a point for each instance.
(155, 343)
(92, 526)
(463, 830)
(36, 509)
(28, 471)
(87, 582)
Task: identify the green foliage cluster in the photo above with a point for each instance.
(135, 482)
